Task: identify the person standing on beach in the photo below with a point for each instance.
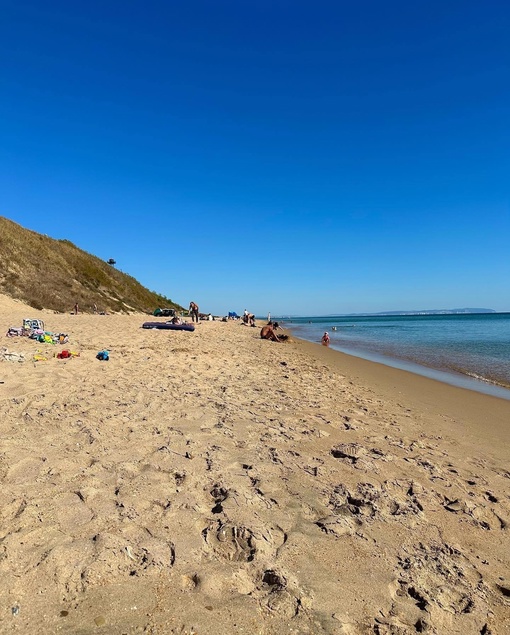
(193, 311)
(325, 339)
(76, 308)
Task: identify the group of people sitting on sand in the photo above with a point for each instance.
(267, 332)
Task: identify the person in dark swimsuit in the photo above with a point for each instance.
(193, 311)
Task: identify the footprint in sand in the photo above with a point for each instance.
(478, 511)
(435, 582)
(504, 588)
(351, 451)
(238, 543)
(230, 541)
(136, 553)
(284, 603)
(353, 508)
(349, 423)
(339, 525)
(277, 594)
(358, 456)
(219, 495)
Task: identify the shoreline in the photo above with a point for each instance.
(471, 406)
(443, 375)
(210, 481)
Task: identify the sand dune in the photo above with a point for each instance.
(214, 483)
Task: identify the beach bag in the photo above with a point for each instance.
(103, 356)
(32, 324)
(64, 354)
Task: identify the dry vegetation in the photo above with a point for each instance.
(55, 274)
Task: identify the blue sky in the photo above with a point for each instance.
(302, 158)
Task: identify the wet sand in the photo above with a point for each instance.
(213, 483)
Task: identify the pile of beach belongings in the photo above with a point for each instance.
(47, 337)
(28, 327)
(34, 329)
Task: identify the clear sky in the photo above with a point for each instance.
(290, 156)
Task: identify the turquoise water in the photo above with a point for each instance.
(467, 350)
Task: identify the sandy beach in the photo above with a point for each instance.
(213, 483)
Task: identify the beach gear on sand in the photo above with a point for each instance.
(30, 324)
(14, 331)
(168, 326)
(103, 356)
(45, 338)
(164, 312)
(34, 329)
(65, 354)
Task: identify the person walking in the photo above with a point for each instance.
(193, 311)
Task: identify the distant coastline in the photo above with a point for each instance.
(397, 313)
(421, 312)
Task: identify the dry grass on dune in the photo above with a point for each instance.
(54, 274)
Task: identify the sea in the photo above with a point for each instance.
(467, 350)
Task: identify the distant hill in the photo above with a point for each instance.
(55, 274)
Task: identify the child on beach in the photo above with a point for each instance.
(325, 339)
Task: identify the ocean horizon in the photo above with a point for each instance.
(470, 350)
